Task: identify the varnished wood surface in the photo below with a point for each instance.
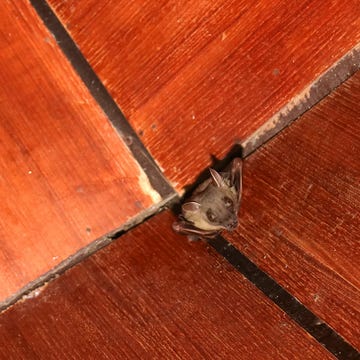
(300, 220)
(152, 294)
(195, 77)
(66, 176)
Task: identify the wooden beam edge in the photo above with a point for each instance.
(322, 86)
(31, 289)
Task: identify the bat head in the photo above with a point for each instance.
(215, 208)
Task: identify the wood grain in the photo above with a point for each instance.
(66, 176)
(193, 78)
(152, 294)
(300, 220)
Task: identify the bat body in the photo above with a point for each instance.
(214, 204)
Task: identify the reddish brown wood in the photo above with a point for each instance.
(152, 294)
(66, 176)
(195, 77)
(300, 215)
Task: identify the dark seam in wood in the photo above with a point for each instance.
(102, 97)
(331, 340)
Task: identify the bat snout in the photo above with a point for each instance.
(233, 225)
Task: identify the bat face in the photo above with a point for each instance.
(214, 204)
(213, 209)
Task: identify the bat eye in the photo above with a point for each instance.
(228, 202)
(210, 215)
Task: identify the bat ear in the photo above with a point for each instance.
(217, 178)
(236, 176)
(191, 206)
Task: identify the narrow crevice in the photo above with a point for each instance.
(325, 335)
(103, 98)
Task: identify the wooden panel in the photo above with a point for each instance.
(66, 176)
(300, 215)
(152, 294)
(193, 78)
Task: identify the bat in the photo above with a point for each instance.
(213, 206)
